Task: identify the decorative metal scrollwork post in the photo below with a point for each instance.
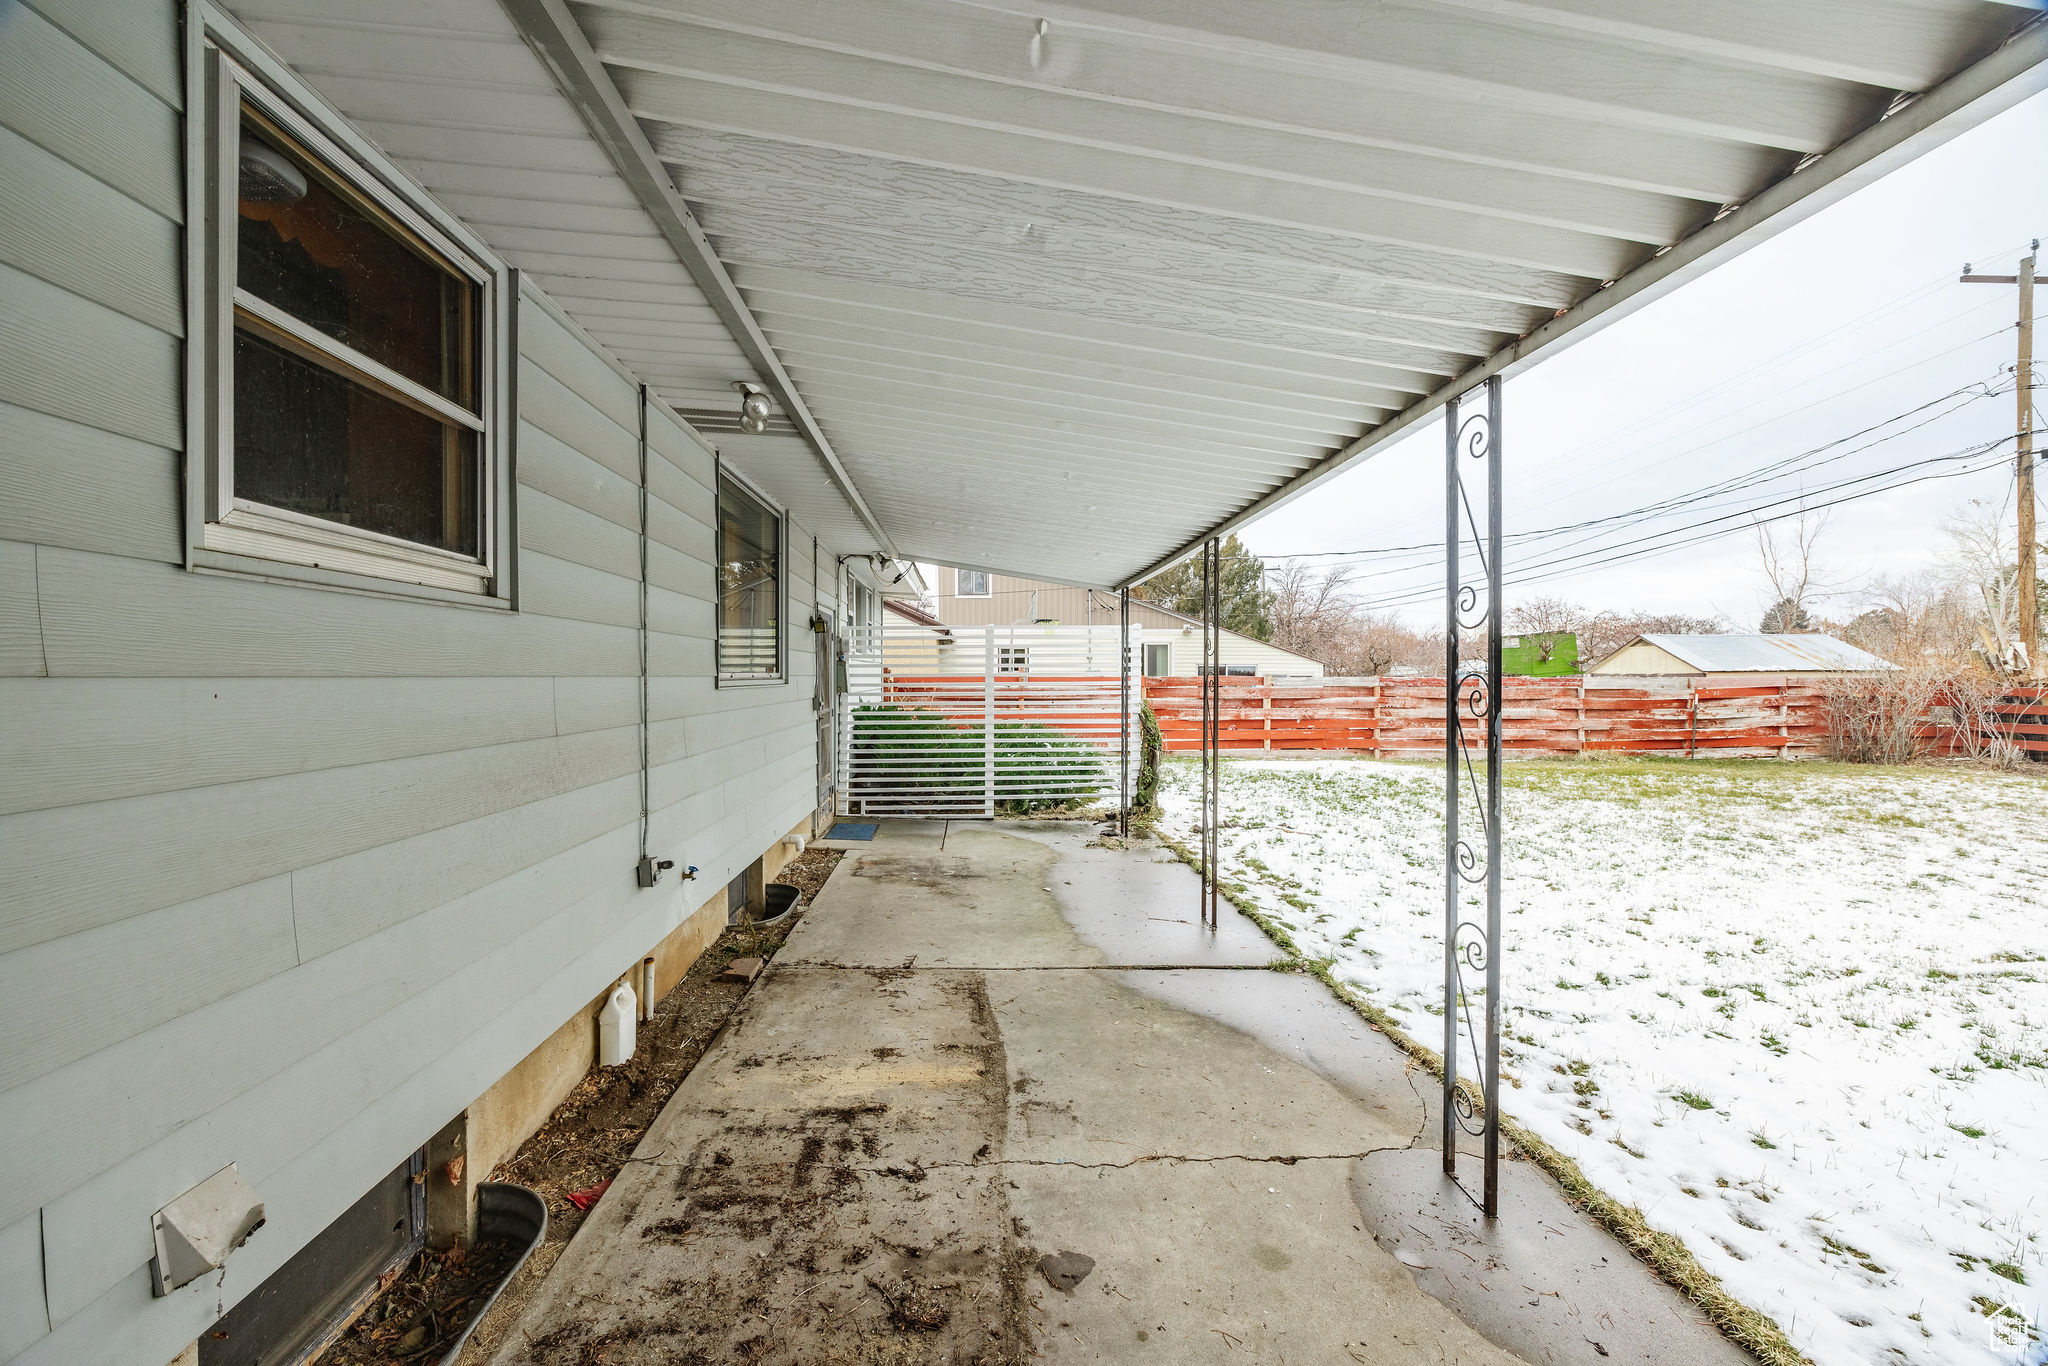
(1212, 729)
(1472, 698)
(1123, 743)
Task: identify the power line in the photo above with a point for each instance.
(1978, 392)
(1660, 544)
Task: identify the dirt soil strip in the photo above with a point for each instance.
(587, 1140)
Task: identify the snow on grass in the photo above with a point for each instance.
(1798, 1014)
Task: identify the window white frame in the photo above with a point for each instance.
(1165, 658)
(721, 679)
(978, 577)
(226, 68)
(1013, 659)
(864, 615)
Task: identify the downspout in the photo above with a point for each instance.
(646, 773)
(649, 869)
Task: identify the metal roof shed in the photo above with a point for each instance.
(1696, 655)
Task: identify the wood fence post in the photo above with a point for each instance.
(1784, 716)
(1266, 692)
(1692, 732)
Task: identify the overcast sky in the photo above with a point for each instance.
(1838, 324)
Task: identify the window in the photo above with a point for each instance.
(970, 583)
(1013, 659)
(1158, 661)
(352, 385)
(749, 585)
(867, 619)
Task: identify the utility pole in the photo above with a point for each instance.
(2029, 609)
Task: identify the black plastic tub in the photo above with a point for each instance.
(513, 1214)
(779, 901)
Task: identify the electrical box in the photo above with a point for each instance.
(196, 1232)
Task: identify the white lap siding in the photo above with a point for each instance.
(289, 876)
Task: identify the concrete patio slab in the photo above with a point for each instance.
(981, 1048)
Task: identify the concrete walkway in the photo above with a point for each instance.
(988, 1047)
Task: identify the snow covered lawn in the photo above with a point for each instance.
(1797, 1013)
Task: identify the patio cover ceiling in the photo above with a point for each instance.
(1063, 289)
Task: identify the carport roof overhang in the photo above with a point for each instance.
(1066, 289)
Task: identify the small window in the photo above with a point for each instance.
(355, 368)
(1158, 661)
(749, 585)
(970, 583)
(867, 619)
(1013, 659)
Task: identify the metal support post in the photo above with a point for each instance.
(1123, 625)
(1472, 869)
(1212, 726)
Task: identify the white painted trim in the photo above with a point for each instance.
(226, 534)
(720, 472)
(353, 364)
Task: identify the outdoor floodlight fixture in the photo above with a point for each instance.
(755, 406)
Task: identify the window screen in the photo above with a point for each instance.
(355, 358)
(749, 585)
(1158, 661)
(971, 583)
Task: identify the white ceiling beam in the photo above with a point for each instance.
(551, 31)
(1054, 414)
(1071, 306)
(2015, 71)
(1101, 171)
(1078, 397)
(1081, 340)
(1027, 437)
(925, 458)
(1184, 390)
(1023, 254)
(1408, 114)
(797, 180)
(949, 101)
(1513, 65)
(1892, 46)
(1340, 328)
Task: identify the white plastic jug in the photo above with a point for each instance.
(615, 1027)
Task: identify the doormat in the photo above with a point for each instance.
(852, 830)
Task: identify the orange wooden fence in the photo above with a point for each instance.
(1403, 717)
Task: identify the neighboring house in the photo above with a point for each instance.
(1164, 643)
(1733, 659)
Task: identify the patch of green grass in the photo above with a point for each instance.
(1968, 1130)
(1693, 1100)
(2007, 1270)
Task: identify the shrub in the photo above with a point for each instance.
(1152, 745)
(1897, 717)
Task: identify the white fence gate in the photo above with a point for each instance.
(974, 720)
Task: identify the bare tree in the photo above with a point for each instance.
(1792, 570)
(1982, 561)
(1913, 620)
(1542, 615)
(1310, 610)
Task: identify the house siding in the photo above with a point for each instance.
(290, 876)
(1012, 601)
